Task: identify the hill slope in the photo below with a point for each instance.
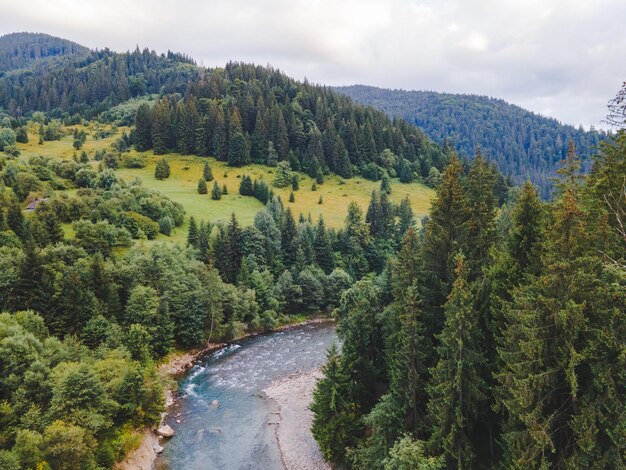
(237, 113)
(24, 50)
(522, 144)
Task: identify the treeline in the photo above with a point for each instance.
(245, 113)
(521, 143)
(495, 339)
(24, 50)
(89, 85)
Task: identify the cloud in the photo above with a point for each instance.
(563, 58)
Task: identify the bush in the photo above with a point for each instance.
(133, 161)
(166, 225)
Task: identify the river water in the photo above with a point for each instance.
(234, 434)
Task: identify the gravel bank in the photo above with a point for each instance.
(293, 394)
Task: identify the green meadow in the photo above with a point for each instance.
(181, 186)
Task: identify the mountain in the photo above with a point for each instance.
(24, 50)
(237, 113)
(521, 143)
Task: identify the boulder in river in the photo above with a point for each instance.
(165, 431)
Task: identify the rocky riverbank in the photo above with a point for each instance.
(292, 422)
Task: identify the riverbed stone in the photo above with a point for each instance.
(165, 431)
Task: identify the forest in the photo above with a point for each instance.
(522, 144)
(89, 312)
(496, 338)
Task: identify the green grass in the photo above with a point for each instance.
(336, 192)
(181, 186)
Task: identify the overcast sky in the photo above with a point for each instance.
(561, 58)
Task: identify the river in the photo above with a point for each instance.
(221, 419)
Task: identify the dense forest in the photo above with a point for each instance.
(25, 50)
(90, 311)
(496, 338)
(521, 143)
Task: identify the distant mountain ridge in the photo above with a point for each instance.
(23, 50)
(521, 143)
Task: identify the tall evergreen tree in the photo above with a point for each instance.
(457, 390)
(442, 241)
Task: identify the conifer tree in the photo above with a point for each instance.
(162, 169)
(323, 248)
(457, 389)
(207, 173)
(15, 219)
(292, 198)
(246, 188)
(216, 192)
(192, 233)
(202, 188)
(442, 236)
(143, 128)
(385, 184)
(289, 242)
(479, 228)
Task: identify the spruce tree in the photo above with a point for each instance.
(202, 188)
(457, 390)
(207, 174)
(385, 184)
(289, 233)
(322, 248)
(246, 187)
(442, 241)
(292, 198)
(143, 128)
(162, 169)
(216, 192)
(192, 233)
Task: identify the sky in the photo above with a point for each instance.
(560, 58)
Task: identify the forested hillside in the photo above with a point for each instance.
(521, 143)
(241, 113)
(495, 339)
(25, 50)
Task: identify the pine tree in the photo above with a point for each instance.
(232, 251)
(207, 174)
(272, 156)
(457, 390)
(161, 126)
(322, 247)
(289, 242)
(216, 192)
(204, 253)
(143, 128)
(385, 184)
(162, 169)
(292, 198)
(238, 150)
(479, 228)
(246, 188)
(202, 188)
(335, 421)
(403, 408)
(442, 236)
(295, 183)
(192, 233)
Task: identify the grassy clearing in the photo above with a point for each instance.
(336, 192)
(181, 186)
